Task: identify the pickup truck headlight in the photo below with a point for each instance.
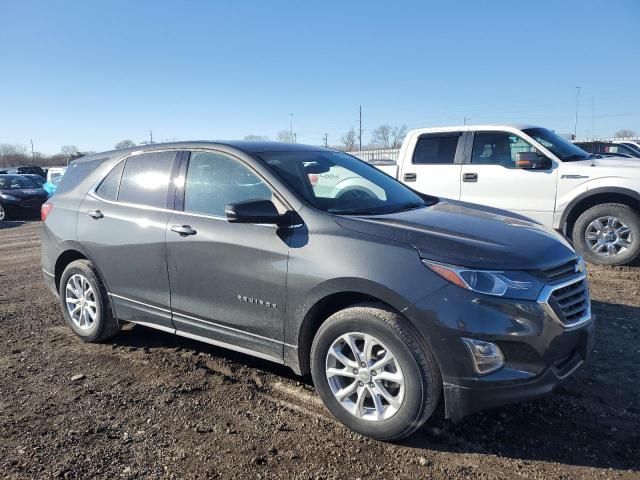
(6, 196)
(500, 283)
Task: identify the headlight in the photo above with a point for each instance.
(9, 197)
(507, 283)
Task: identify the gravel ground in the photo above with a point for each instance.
(148, 404)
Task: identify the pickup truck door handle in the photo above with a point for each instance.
(96, 214)
(183, 230)
(470, 177)
(410, 177)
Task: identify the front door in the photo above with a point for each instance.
(492, 178)
(228, 280)
(435, 166)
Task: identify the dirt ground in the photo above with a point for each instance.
(149, 404)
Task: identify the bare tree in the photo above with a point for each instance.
(12, 155)
(285, 136)
(349, 140)
(69, 150)
(386, 136)
(125, 144)
(624, 133)
(257, 138)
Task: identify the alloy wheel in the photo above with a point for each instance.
(2, 213)
(365, 376)
(608, 236)
(80, 300)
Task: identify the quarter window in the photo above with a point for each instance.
(498, 148)
(214, 180)
(108, 188)
(145, 179)
(434, 149)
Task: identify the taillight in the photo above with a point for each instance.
(45, 210)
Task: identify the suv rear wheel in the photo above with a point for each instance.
(608, 234)
(372, 373)
(85, 305)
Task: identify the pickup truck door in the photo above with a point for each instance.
(490, 177)
(432, 163)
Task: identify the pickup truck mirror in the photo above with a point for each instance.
(256, 211)
(532, 161)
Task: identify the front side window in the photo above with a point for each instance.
(215, 180)
(433, 149)
(337, 183)
(498, 148)
(145, 179)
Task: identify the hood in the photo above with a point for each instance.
(24, 193)
(607, 162)
(469, 235)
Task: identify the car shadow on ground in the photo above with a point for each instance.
(584, 422)
(10, 223)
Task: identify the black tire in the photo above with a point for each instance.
(423, 382)
(627, 215)
(105, 325)
(3, 213)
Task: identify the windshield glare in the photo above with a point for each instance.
(15, 182)
(335, 182)
(559, 146)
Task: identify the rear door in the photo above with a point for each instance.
(122, 225)
(492, 178)
(228, 280)
(435, 166)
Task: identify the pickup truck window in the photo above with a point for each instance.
(560, 147)
(337, 183)
(435, 149)
(498, 148)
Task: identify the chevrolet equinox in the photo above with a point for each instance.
(309, 257)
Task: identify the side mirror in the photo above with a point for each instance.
(256, 211)
(532, 161)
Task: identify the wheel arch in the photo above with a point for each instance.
(64, 259)
(594, 197)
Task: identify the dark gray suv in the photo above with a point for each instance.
(309, 257)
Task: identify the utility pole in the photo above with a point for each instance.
(593, 121)
(32, 154)
(291, 127)
(360, 136)
(575, 125)
(326, 137)
(464, 121)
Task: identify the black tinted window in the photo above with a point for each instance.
(435, 150)
(215, 180)
(108, 189)
(145, 180)
(77, 172)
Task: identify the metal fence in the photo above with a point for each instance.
(377, 154)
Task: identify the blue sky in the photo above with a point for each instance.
(92, 73)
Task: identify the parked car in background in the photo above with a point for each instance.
(27, 169)
(54, 175)
(19, 196)
(534, 172)
(391, 299)
(629, 143)
(608, 148)
(36, 179)
(54, 172)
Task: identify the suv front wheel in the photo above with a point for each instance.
(373, 374)
(608, 234)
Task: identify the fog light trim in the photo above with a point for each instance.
(487, 356)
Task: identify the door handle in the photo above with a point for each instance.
(95, 214)
(470, 177)
(410, 177)
(183, 230)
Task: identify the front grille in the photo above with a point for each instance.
(571, 302)
(559, 272)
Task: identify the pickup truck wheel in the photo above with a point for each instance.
(372, 373)
(608, 234)
(85, 305)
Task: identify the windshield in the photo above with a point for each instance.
(15, 182)
(335, 182)
(560, 147)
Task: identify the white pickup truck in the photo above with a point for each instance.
(536, 173)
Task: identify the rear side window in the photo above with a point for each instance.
(436, 150)
(108, 188)
(145, 179)
(215, 180)
(76, 173)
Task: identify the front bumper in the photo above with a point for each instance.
(539, 350)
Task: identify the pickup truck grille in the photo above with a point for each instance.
(559, 272)
(571, 302)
